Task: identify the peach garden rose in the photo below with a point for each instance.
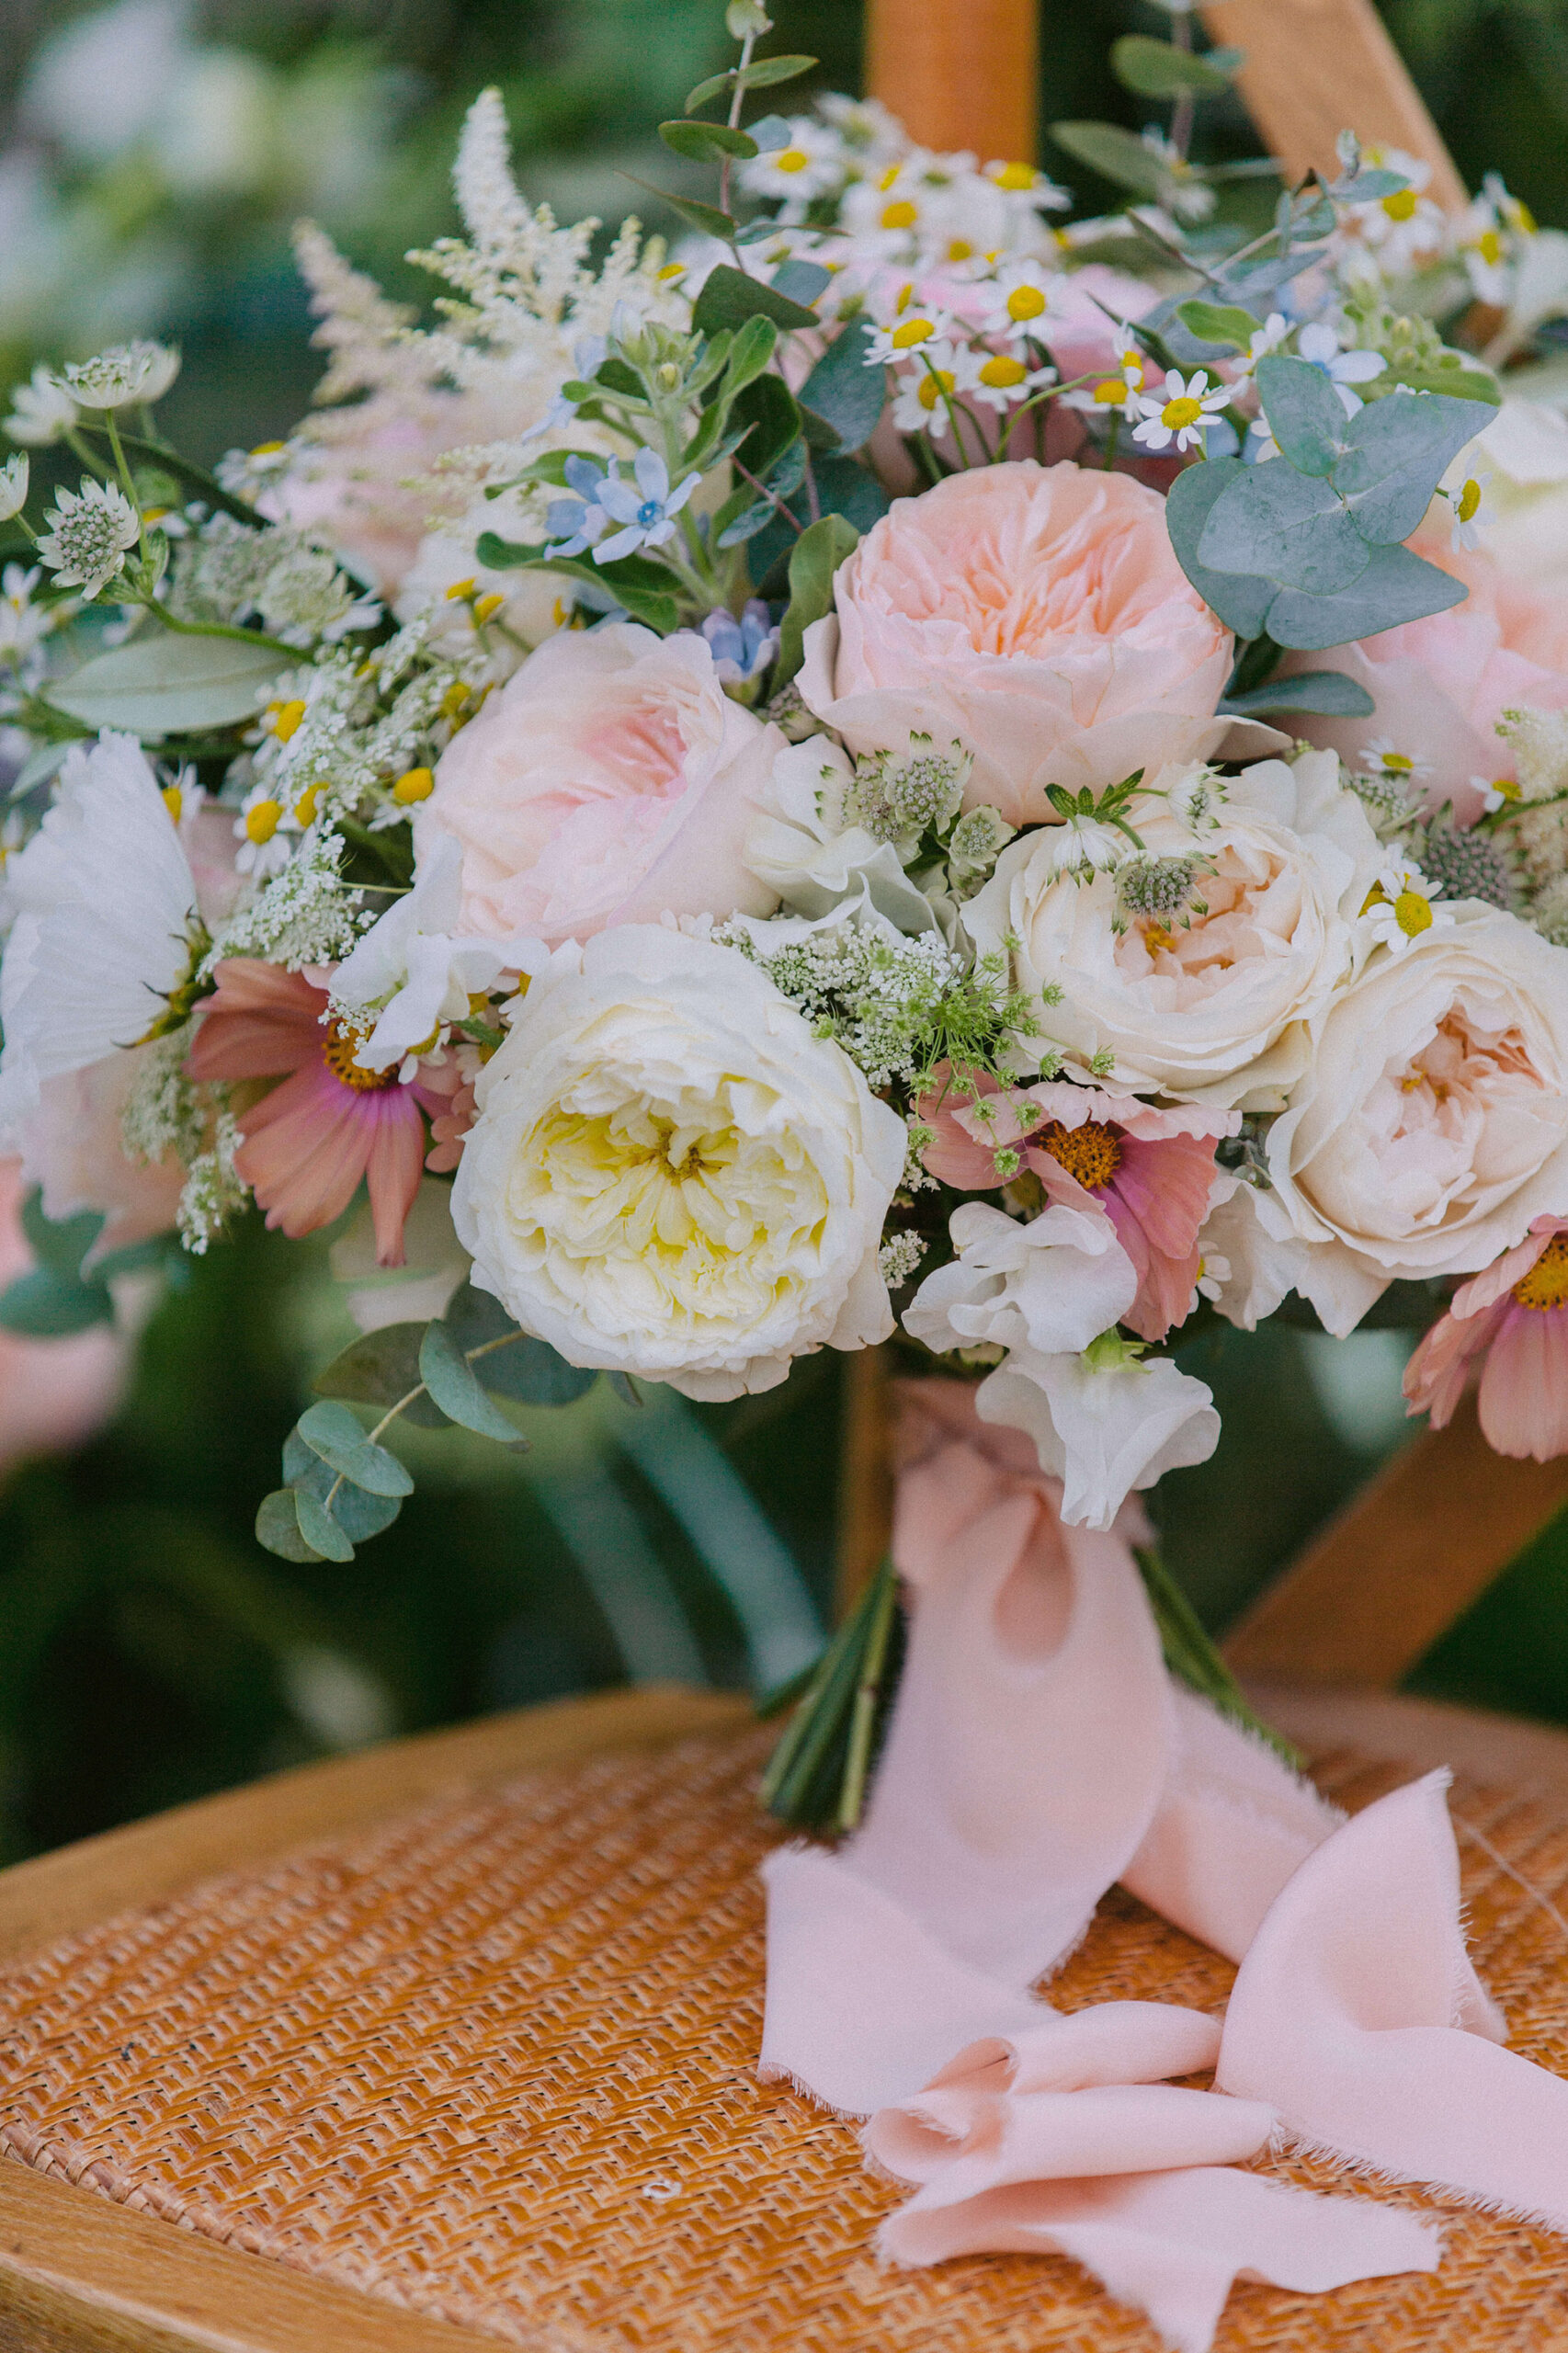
(611, 781)
(1038, 614)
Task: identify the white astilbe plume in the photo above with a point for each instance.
(367, 334)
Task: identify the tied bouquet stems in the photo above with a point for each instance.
(915, 761)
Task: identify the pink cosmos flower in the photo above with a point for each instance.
(1515, 1317)
(309, 1141)
(1151, 1170)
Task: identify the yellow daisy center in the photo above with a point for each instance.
(1489, 245)
(261, 821)
(937, 386)
(307, 804)
(414, 784)
(1400, 205)
(1024, 302)
(1003, 371)
(174, 802)
(1470, 499)
(900, 215)
(1111, 392)
(1015, 177)
(1412, 913)
(1185, 411)
(1546, 1285)
(791, 159)
(912, 332)
(284, 719)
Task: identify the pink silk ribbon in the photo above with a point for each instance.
(1038, 1751)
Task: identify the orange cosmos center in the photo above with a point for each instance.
(1546, 1285)
(337, 1052)
(1091, 1153)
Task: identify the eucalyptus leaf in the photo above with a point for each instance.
(698, 141)
(1156, 70)
(162, 684)
(1241, 601)
(749, 355)
(379, 1367)
(319, 1529)
(455, 1386)
(1396, 587)
(763, 72)
(1323, 690)
(278, 1526)
(844, 390)
(818, 554)
(36, 769)
(58, 1243)
(770, 131)
(1398, 452)
(359, 1514)
(1117, 154)
(1290, 527)
(516, 1365)
(729, 298)
(332, 1432)
(707, 218)
(849, 489)
(1305, 414)
(44, 1305)
(1456, 383)
(771, 416)
(802, 282)
(626, 1388)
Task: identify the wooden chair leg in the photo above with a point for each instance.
(959, 74)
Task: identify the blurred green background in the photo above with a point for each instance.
(153, 156)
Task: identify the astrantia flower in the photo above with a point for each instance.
(14, 475)
(264, 829)
(309, 1142)
(1179, 412)
(105, 905)
(131, 375)
(42, 411)
(93, 530)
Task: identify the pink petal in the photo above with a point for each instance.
(262, 1021)
(1167, 1185)
(395, 1165)
(305, 1150)
(1524, 1389)
(1496, 1280)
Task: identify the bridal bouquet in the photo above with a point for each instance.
(912, 763)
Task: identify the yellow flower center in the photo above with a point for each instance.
(937, 386)
(889, 178)
(1182, 412)
(1507, 786)
(1524, 219)
(1090, 1152)
(1398, 764)
(1400, 205)
(1412, 913)
(1111, 392)
(1489, 245)
(671, 269)
(338, 1050)
(285, 719)
(1470, 499)
(486, 608)
(959, 250)
(460, 592)
(912, 332)
(1024, 302)
(791, 159)
(266, 449)
(1003, 371)
(1015, 177)
(900, 215)
(174, 802)
(307, 804)
(414, 784)
(261, 821)
(1546, 1285)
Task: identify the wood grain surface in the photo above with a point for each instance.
(959, 74)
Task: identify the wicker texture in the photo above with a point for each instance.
(493, 2061)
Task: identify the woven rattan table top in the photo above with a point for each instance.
(493, 2060)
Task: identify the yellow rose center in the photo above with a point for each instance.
(1090, 1152)
(912, 332)
(1003, 371)
(1400, 205)
(261, 821)
(1546, 1285)
(339, 1047)
(900, 215)
(1179, 412)
(1024, 302)
(791, 159)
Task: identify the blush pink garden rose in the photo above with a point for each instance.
(1150, 1168)
(613, 780)
(1036, 613)
(1441, 684)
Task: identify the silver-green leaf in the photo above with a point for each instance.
(165, 685)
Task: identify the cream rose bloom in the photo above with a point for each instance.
(670, 1176)
(1431, 1126)
(1038, 614)
(1217, 1012)
(611, 781)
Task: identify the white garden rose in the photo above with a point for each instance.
(670, 1176)
(1431, 1127)
(1210, 1003)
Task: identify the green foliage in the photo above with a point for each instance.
(165, 685)
(701, 140)
(842, 389)
(1117, 155)
(57, 1296)
(1330, 691)
(818, 554)
(729, 298)
(1153, 69)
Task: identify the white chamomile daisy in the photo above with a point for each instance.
(1180, 413)
(1401, 905)
(811, 163)
(943, 371)
(1003, 380)
(264, 830)
(1381, 758)
(1017, 301)
(1496, 792)
(1470, 516)
(1112, 393)
(1213, 1273)
(914, 328)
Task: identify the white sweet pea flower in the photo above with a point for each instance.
(413, 964)
(1049, 1286)
(1103, 1423)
